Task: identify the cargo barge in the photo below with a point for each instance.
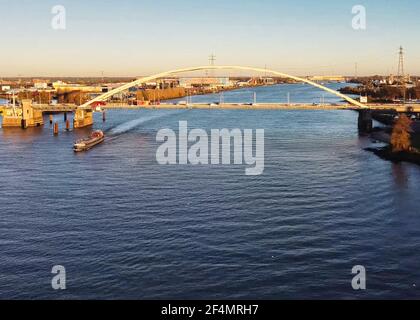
(94, 139)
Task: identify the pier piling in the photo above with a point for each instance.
(51, 118)
(56, 128)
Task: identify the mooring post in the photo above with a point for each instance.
(65, 116)
(56, 128)
(365, 121)
(104, 116)
(51, 118)
(67, 125)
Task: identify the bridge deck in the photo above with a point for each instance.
(55, 107)
(266, 106)
(231, 106)
(234, 106)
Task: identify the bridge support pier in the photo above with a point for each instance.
(82, 118)
(365, 122)
(31, 117)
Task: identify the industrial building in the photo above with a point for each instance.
(211, 83)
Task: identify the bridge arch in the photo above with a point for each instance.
(140, 81)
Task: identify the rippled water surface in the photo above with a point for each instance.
(126, 227)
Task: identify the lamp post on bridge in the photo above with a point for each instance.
(323, 100)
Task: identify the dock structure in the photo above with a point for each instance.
(24, 117)
(12, 117)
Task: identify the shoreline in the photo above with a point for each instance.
(385, 153)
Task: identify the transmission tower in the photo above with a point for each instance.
(401, 72)
(212, 60)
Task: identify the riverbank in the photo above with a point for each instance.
(396, 157)
(383, 134)
(384, 93)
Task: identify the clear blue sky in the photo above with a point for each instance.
(137, 37)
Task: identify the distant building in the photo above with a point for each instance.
(205, 82)
(242, 83)
(62, 86)
(40, 84)
(328, 78)
(6, 82)
(165, 83)
(5, 88)
(111, 86)
(399, 80)
(268, 81)
(169, 83)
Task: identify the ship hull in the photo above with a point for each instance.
(87, 145)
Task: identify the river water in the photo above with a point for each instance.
(125, 227)
(283, 93)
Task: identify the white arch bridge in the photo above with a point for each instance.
(138, 82)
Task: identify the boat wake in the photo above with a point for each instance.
(130, 125)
